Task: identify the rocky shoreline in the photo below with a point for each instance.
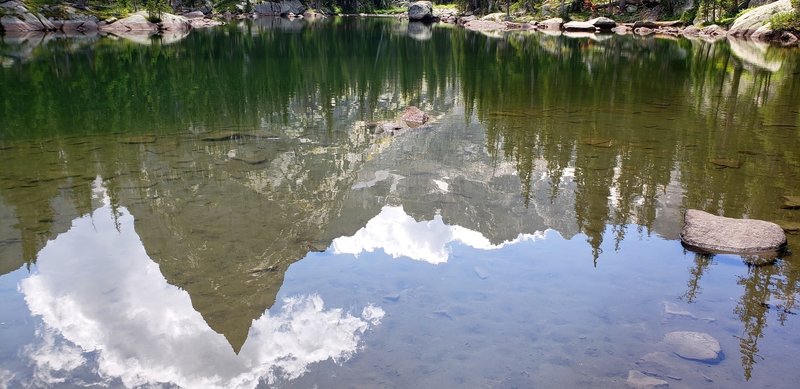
(753, 24)
(16, 19)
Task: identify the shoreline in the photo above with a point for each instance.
(139, 27)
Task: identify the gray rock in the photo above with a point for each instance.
(707, 232)
(691, 31)
(695, 346)
(645, 23)
(170, 22)
(579, 26)
(551, 24)
(267, 9)
(194, 15)
(414, 116)
(638, 380)
(747, 24)
(643, 31)
(420, 10)
(136, 22)
(603, 23)
(713, 31)
(292, 6)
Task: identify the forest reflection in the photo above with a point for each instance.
(632, 131)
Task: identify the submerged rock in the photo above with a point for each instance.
(791, 202)
(712, 233)
(695, 346)
(639, 380)
(726, 162)
(790, 227)
(659, 364)
(414, 116)
(135, 140)
(420, 10)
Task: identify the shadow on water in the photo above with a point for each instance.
(530, 133)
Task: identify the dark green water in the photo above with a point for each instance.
(218, 212)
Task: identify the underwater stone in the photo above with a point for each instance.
(696, 346)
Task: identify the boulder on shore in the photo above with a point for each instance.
(712, 233)
(134, 23)
(757, 18)
(579, 26)
(420, 10)
(602, 23)
(551, 24)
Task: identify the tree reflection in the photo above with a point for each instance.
(627, 127)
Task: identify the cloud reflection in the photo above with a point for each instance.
(399, 235)
(96, 290)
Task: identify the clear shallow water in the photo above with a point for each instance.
(527, 237)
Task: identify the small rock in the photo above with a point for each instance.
(695, 346)
(222, 135)
(712, 233)
(391, 298)
(791, 202)
(414, 116)
(639, 380)
(643, 31)
(481, 273)
(726, 162)
(134, 140)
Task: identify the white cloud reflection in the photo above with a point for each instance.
(97, 288)
(399, 235)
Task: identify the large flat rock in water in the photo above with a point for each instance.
(696, 346)
(713, 233)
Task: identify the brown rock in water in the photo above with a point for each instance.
(712, 233)
(134, 140)
(695, 346)
(414, 116)
(639, 380)
(726, 162)
(790, 227)
(791, 202)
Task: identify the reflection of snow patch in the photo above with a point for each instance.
(380, 175)
(443, 186)
(399, 235)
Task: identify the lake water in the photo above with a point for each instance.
(220, 211)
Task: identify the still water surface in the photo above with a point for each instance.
(219, 211)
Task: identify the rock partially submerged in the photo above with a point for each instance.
(695, 346)
(414, 117)
(551, 24)
(705, 232)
